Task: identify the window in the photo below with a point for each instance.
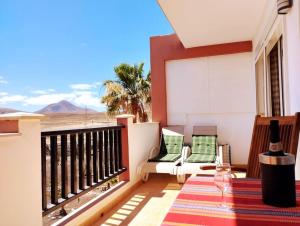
(269, 80)
(260, 86)
(275, 83)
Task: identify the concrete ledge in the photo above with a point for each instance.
(10, 134)
(20, 115)
(93, 210)
(125, 116)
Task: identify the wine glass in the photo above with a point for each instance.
(223, 180)
(223, 167)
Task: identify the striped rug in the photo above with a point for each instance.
(198, 204)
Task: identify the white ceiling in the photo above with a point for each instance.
(207, 22)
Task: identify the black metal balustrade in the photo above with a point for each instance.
(76, 161)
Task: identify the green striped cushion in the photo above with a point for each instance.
(165, 158)
(204, 145)
(171, 144)
(200, 158)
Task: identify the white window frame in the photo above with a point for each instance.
(274, 35)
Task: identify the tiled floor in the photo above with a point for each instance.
(147, 205)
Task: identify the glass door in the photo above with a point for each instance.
(275, 81)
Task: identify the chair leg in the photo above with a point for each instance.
(181, 178)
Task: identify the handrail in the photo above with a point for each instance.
(50, 132)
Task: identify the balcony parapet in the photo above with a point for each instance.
(20, 115)
(20, 162)
(9, 123)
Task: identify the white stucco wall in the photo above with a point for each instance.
(142, 137)
(292, 45)
(217, 90)
(20, 173)
(292, 35)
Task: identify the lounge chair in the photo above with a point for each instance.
(165, 158)
(203, 152)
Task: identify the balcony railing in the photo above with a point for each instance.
(76, 161)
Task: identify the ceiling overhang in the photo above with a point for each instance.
(209, 22)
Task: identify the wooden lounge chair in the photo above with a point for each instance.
(289, 133)
(202, 152)
(165, 158)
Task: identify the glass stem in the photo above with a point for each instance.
(223, 199)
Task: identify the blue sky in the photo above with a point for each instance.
(64, 49)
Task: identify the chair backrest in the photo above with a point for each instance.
(289, 134)
(172, 139)
(205, 130)
(204, 140)
(173, 130)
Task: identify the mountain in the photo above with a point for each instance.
(7, 110)
(64, 107)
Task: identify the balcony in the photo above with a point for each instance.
(44, 171)
(70, 165)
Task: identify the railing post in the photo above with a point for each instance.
(95, 157)
(81, 161)
(64, 166)
(101, 171)
(88, 158)
(73, 152)
(54, 171)
(125, 120)
(44, 175)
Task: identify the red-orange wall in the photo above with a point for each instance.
(169, 47)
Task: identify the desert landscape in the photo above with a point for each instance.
(64, 115)
(58, 121)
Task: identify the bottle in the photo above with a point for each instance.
(277, 172)
(275, 148)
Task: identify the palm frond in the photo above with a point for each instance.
(130, 92)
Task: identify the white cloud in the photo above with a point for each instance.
(45, 99)
(85, 86)
(2, 80)
(81, 95)
(41, 91)
(3, 93)
(12, 99)
(87, 98)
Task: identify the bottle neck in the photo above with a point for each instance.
(275, 147)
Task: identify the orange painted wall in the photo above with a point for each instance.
(9, 126)
(169, 47)
(125, 149)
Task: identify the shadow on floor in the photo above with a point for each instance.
(147, 205)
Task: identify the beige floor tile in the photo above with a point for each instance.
(147, 205)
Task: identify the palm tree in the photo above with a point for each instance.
(129, 93)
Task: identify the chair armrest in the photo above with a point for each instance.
(153, 152)
(186, 152)
(233, 168)
(208, 167)
(239, 168)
